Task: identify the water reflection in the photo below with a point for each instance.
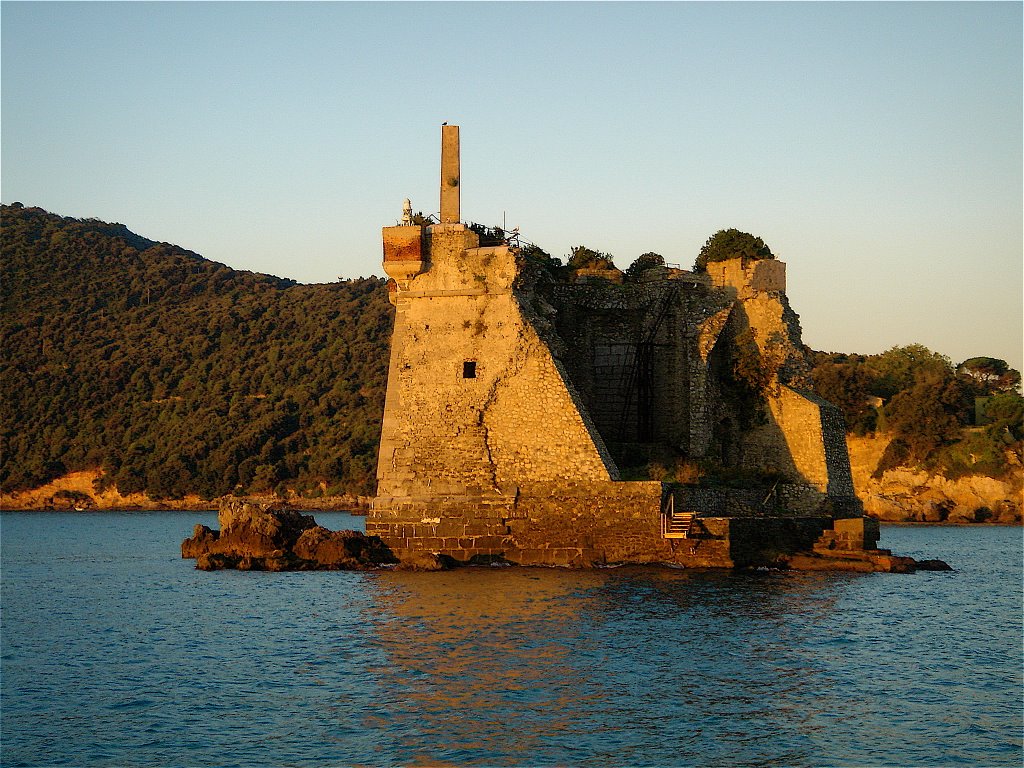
(637, 666)
(117, 652)
(468, 651)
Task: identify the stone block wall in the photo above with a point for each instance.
(781, 500)
(476, 403)
(762, 542)
(636, 353)
(612, 521)
(804, 440)
(748, 276)
(543, 524)
(593, 524)
(553, 524)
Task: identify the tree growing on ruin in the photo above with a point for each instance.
(728, 244)
(582, 257)
(848, 386)
(644, 262)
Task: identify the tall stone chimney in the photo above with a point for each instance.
(450, 174)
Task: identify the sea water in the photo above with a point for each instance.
(116, 652)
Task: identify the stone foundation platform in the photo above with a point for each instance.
(618, 523)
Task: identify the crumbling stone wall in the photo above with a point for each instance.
(502, 400)
(748, 277)
(639, 355)
(687, 329)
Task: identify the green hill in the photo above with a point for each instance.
(176, 374)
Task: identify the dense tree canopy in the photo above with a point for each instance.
(849, 387)
(927, 406)
(728, 244)
(990, 373)
(177, 374)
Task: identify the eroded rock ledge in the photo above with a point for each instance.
(261, 536)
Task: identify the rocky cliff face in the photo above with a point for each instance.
(77, 490)
(910, 494)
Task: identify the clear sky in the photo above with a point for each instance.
(876, 147)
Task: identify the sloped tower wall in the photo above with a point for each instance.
(476, 405)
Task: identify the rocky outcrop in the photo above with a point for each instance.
(910, 494)
(851, 545)
(257, 535)
(868, 561)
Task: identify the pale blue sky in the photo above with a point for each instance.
(877, 148)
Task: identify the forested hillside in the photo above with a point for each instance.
(953, 420)
(176, 374)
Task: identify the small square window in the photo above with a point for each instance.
(469, 369)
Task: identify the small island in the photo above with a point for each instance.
(268, 536)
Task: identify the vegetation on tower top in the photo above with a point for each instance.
(728, 244)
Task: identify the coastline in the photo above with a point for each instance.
(902, 497)
(76, 492)
(915, 496)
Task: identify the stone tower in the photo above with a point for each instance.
(473, 391)
(506, 395)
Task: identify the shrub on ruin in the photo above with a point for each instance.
(644, 262)
(728, 244)
(582, 257)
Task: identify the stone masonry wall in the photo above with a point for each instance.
(804, 441)
(560, 524)
(596, 524)
(603, 325)
(748, 276)
(476, 405)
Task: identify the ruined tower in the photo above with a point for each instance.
(477, 406)
(507, 395)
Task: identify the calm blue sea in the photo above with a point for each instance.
(115, 652)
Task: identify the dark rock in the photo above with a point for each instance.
(203, 538)
(863, 561)
(207, 561)
(258, 528)
(257, 536)
(933, 565)
(68, 499)
(983, 515)
(413, 560)
(342, 550)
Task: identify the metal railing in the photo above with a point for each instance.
(676, 525)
